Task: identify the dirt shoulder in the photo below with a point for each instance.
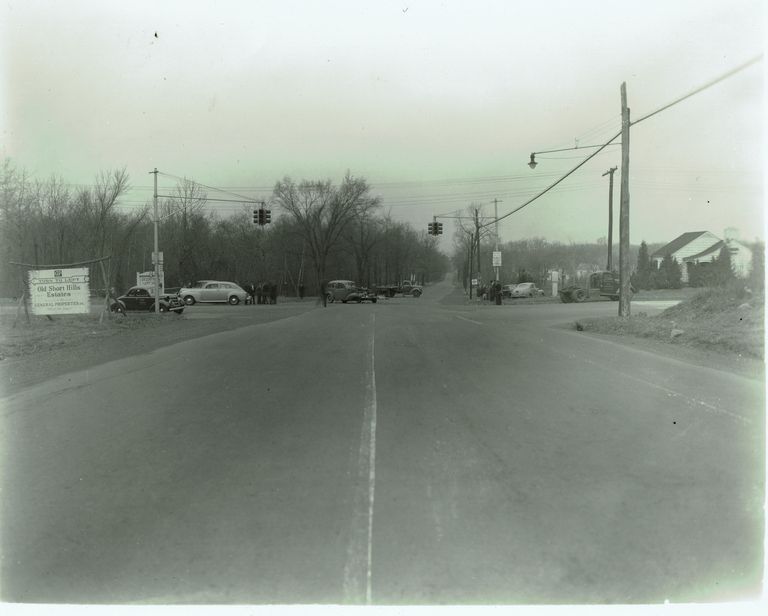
(35, 352)
(722, 327)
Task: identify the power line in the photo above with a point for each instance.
(645, 117)
(709, 84)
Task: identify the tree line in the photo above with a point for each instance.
(322, 231)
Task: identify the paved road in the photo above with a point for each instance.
(408, 452)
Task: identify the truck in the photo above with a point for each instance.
(599, 284)
(406, 287)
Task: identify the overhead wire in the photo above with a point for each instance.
(709, 84)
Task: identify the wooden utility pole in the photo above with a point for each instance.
(624, 272)
(471, 251)
(496, 232)
(155, 251)
(610, 218)
(477, 241)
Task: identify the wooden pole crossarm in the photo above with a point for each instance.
(59, 265)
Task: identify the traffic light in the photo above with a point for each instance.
(256, 217)
(267, 216)
(439, 228)
(431, 228)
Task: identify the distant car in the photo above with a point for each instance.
(347, 291)
(526, 289)
(507, 289)
(143, 299)
(205, 291)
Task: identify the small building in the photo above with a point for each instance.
(704, 247)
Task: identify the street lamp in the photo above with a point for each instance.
(532, 163)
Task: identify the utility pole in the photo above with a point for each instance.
(624, 299)
(610, 218)
(156, 255)
(477, 240)
(496, 222)
(471, 251)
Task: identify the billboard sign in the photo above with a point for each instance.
(59, 291)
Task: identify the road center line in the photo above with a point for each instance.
(466, 319)
(358, 566)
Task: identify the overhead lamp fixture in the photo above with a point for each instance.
(533, 162)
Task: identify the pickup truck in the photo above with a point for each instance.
(406, 287)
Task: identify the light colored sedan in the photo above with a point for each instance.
(204, 291)
(507, 289)
(526, 289)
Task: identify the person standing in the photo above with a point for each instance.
(273, 293)
(260, 292)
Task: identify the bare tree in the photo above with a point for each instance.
(323, 211)
(361, 237)
(184, 214)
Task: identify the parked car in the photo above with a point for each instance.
(347, 291)
(526, 289)
(204, 291)
(507, 289)
(143, 299)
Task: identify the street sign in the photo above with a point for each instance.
(59, 291)
(160, 261)
(496, 258)
(474, 282)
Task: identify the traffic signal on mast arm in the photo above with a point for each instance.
(256, 217)
(267, 216)
(438, 228)
(431, 228)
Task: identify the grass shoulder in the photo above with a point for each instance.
(727, 320)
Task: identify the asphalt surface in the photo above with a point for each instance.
(415, 451)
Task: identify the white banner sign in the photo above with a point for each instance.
(496, 258)
(59, 291)
(147, 280)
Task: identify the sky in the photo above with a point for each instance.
(438, 104)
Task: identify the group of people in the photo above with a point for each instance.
(264, 293)
(492, 292)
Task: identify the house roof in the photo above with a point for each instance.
(677, 243)
(708, 251)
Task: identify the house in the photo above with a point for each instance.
(704, 247)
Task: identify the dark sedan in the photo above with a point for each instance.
(142, 299)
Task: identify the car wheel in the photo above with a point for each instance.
(179, 311)
(162, 308)
(189, 300)
(416, 293)
(329, 298)
(234, 300)
(579, 295)
(374, 300)
(117, 308)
